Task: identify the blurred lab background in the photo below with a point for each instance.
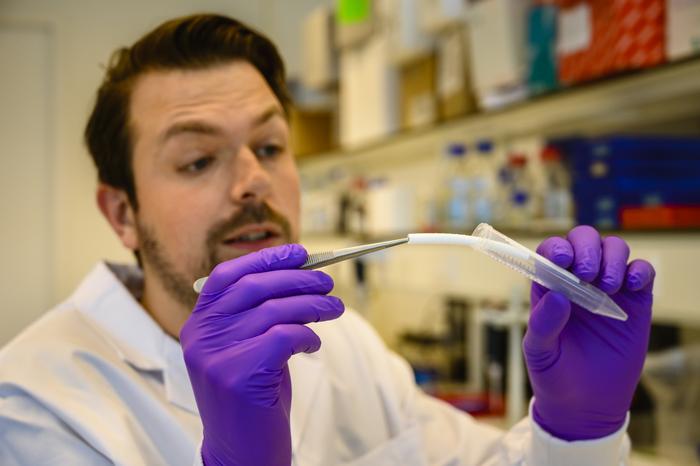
(412, 116)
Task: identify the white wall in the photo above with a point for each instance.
(83, 35)
(25, 153)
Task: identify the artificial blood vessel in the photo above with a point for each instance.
(496, 245)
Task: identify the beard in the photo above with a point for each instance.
(178, 283)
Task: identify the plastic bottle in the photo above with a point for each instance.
(456, 208)
(556, 195)
(521, 205)
(484, 185)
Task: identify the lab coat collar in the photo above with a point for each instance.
(108, 298)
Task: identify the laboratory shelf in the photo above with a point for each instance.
(643, 99)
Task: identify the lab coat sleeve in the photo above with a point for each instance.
(31, 435)
(452, 437)
(198, 460)
(543, 448)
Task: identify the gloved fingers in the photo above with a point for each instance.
(254, 289)
(291, 310)
(587, 252)
(282, 341)
(557, 250)
(287, 256)
(547, 320)
(613, 266)
(640, 275)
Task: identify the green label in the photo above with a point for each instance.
(353, 11)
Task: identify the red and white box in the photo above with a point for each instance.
(597, 38)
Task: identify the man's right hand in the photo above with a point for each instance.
(249, 320)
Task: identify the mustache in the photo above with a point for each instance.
(250, 214)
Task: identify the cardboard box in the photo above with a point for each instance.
(312, 131)
(453, 80)
(417, 93)
(602, 37)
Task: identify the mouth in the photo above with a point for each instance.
(254, 237)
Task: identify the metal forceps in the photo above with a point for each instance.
(322, 259)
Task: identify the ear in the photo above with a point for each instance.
(115, 206)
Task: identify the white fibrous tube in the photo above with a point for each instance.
(442, 238)
(466, 240)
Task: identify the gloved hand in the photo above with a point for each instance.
(249, 320)
(584, 367)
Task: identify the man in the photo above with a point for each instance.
(190, 138)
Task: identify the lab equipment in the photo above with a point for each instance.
(535, 267)
(484, 184)
(543, 271)
(497, 246)
(456, 204)
(520, 208)
(237, 360)
(322, 259)
(556, 195)
(584, 370)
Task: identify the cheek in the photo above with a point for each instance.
(179, 218)
(289, 194)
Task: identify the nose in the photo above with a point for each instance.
(251, 181)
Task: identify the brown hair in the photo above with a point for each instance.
(191, 42)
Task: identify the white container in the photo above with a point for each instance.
(437, 15)
(498, 49)
(369, 107)
(407, 40)
(320, 67)
(682, 28)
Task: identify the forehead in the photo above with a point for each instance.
(234, 91)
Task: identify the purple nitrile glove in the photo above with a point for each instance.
(249, 320)
(584, 367)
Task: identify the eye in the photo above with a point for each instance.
(267, 151)
(198, 165)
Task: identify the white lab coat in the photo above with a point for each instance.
(96, 381)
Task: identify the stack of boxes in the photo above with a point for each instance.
(394, 65)
(635, 182)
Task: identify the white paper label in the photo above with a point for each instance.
(575, 29)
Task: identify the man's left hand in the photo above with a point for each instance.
(584, 367)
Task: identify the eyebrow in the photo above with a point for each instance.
(201, 127)
(268, 114)
(196, 127)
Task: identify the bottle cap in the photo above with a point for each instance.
(550, 154)
(517, 159)
(456, 149)
(484, 146)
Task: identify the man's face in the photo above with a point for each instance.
(214, 173)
